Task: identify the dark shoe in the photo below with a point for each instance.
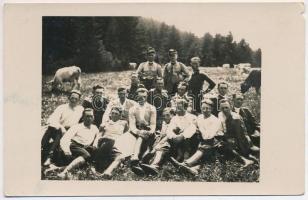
(150, 169)
(137, 170)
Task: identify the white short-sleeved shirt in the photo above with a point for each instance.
(208, 127)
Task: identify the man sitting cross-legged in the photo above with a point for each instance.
(181, 129)
(78, 142)
(235, 140)
(209, 127)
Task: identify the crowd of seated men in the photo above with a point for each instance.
(164, 116)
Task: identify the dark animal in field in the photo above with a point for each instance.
(253, 80)
(66, 74)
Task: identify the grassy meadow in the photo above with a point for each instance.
(215, 171)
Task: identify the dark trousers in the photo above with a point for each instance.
(47, 148)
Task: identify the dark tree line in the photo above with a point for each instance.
(111, 43)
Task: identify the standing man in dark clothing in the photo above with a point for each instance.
(174, 73)
(149, 71)
(98, 103)
(132, 91)
(158, 97)
(196, 83)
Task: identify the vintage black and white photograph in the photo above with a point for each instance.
(136, 98)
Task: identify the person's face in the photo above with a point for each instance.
(181, 90)
(122, 94)
(206, 109)
(167, 117)
(195, 65)
(99, 92)
(142, 97)
(74, 98)
(115, 115)
(223, 89)
(135, 80)
(88, 117)
(173, 57)
(238, 102)
(160, 84)
(151, 57)
(180, 107)
(225, 108)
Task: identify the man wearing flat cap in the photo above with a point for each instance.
(196, 83)
(174, 72)
(149, 71)
(98, 102)
(64, 117)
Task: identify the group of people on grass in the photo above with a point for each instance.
(165, 115)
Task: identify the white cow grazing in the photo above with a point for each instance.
(243, 68)
(226, 66)
(66, 74)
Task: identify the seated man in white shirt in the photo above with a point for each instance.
(78, 142)
(181, 128)
(64, 117)
(110, 133)
(209, 127)
(123, 102)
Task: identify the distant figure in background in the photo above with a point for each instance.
(64, 117)
(222, 94)
(122, 102)
(158, 97)
(78, 142)
(251, 124)
(66, 74)
(196, 83)
(98, 102)
(174, 72)
(149, 71)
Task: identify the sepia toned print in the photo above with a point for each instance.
(158, 103)
(88, 83)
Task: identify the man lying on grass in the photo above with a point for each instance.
(78, 142)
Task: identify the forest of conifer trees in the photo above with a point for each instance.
(98, 44)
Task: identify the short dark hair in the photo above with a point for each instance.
(121, 89)
(97, 87)
(222, 82)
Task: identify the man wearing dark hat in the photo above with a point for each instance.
(149, 71)
(174, 72)
(196, 83)
(64, 117)
(98, 102)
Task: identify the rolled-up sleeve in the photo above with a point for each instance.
(54, 119)
(66, 139)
